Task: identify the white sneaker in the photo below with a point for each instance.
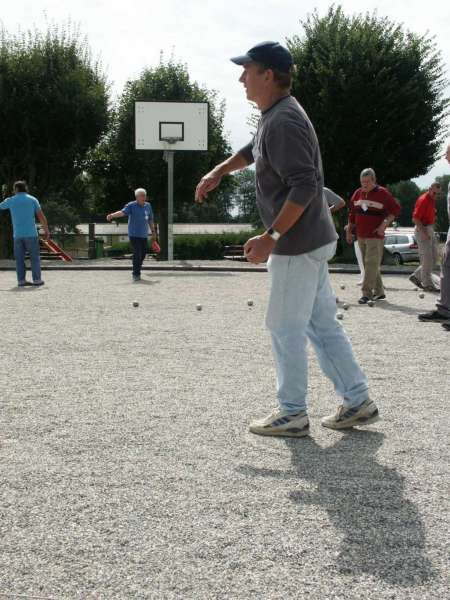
(282, 423)
(345, 418)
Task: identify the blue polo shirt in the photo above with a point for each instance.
(23, 209)
(139, 218)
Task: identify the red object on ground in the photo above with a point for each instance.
(55, 249)
(155, 247)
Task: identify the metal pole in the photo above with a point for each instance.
(169, 155)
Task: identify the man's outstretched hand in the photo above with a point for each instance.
(207, 183)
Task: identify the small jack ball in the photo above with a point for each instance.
(342, 287)
(340, 316)
(135, 304)
(371, 303)
(199, 307)
(422, 295)
(249, 302)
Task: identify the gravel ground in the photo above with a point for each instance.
(127, 470)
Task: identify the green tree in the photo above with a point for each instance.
(406, 193)
(245, 198)
(118, 168)
(375, 94)
(54, 106)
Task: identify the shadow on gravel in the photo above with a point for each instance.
(381, 531)
(147, 282)
(22, 290)
(196, 274)
(407, 310)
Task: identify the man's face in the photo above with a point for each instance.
(434, 191)
(447, 154)
(367, 184)
(255, 80)
(141, 198)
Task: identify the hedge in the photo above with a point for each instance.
(205, 246)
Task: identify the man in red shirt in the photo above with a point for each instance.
(424, 216)
(372, 208)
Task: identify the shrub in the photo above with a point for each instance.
(206, 246)
(118, 249)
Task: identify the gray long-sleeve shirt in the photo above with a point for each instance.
(288, 165)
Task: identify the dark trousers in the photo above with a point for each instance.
(139, 246)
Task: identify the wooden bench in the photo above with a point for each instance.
(234, 253)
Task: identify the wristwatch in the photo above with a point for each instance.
(275, 235)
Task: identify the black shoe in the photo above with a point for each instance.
(446, 325)
(433, 316)
(380, 297)
(363, 300)
(38, 283)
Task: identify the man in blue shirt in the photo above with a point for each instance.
(140, 219)
(24, 209)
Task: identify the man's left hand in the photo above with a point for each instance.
(257, 249)
(380, 230)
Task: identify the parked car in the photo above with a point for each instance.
(400, 248)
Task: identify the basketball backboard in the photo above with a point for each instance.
(171, 126)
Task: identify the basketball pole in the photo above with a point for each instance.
(168, 157)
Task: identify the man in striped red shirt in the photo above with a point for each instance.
(424, 216)
(372, 208)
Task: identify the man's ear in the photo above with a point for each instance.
(269, 76)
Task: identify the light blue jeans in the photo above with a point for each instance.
(21, 247)
(302, 306)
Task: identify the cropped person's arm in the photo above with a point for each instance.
(339, 206)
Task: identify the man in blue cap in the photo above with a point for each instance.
(299, 240)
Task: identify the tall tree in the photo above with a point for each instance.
(53, 107)
(118, 168)
(375, 94)
(245, 198)
(406, 193)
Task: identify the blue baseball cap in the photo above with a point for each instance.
(271, 54)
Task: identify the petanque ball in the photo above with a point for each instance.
(342, 287)
(346, 306)
(135, 304)
(421, 295)
(249, 302)
(199, 307)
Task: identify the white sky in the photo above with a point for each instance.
(129, 35)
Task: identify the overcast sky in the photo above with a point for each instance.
(129, 35)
